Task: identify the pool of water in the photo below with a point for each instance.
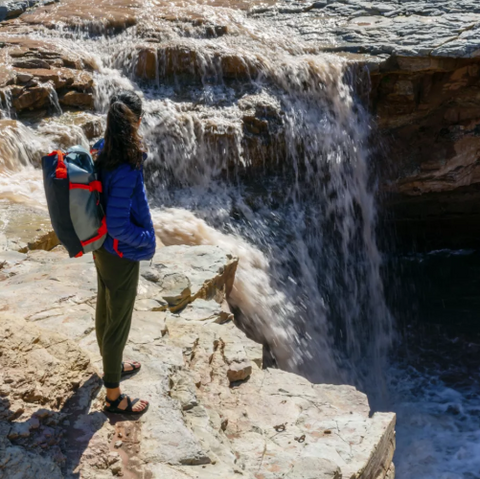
(434, 380)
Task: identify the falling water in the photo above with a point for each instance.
(21, 150)
(6, 110)
(53, 97)
(298, 211)
(316, 215)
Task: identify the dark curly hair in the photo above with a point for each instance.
(122, 141)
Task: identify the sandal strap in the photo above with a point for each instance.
(116, 403)
(129, 405)
(132, 363)
(113, 408)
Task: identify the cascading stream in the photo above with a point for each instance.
(259, 143)
(299, 212)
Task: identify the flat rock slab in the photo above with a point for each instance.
(214, 413)
(14, 8)
(418, 28)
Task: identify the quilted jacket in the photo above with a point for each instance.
(129, 222)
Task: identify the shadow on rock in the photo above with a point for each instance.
(50, 443)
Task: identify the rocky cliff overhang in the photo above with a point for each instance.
(425, 96)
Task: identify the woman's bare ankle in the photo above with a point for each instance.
(113, 394)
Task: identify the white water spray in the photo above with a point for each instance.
(309, 284)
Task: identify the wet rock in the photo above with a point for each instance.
(30, 227)
(46, 242)
(80, 14)
(236, 67)
(34, 63)
(185, 61)
(35, 69)
(77, 99)
(91, 125)
(146, 63)
(72, 128)
(34, 97)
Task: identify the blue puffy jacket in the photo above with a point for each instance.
(129, 223)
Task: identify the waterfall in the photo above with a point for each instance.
(6, 110)
(312, 291)
(53, 97)
(261, 147)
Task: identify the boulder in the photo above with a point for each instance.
(33, 98)
(77, 99)
(184, 275)
(91, 125)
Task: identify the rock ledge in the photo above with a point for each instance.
(215, 413)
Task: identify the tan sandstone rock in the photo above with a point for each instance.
(214, 412)
(44, 379)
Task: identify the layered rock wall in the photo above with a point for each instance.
(428, 111)
(425, 96)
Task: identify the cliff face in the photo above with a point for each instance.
(425, 96)
(429, 114)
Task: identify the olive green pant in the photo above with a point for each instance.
(117, 289)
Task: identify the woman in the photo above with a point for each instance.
(131, 238)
